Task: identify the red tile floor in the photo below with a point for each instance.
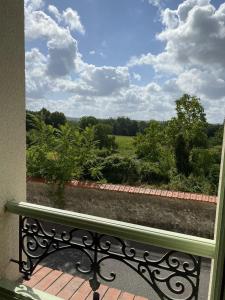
(70, 287)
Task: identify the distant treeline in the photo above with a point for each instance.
(120, 126)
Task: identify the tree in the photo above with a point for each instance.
(182, 155)
(57, 119)
(148, 145)
(60, 155)
(190, 122)
(45, 115)
(88, 121)
(103, 136)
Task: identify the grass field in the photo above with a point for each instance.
(125, 145)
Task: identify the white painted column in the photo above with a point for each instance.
(12, 129)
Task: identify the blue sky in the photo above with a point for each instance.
(134, 58)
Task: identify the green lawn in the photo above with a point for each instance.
(125, 145)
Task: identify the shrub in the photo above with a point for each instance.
(118, 169)
(151, 173)
(193, 184)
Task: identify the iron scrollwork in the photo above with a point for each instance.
(172, 276)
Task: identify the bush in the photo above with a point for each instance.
(117, 169)
(151, 173)
(192, 184)
(92, 169)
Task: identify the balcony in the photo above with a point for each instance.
(38, 233)
(173, 274)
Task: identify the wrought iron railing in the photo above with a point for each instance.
(173, 275)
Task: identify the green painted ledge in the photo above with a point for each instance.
(146, 235)
(15, 291)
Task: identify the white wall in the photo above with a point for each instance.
(12, 128)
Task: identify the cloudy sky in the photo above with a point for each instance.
(132, 58)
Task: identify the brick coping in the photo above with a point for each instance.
(136, 190)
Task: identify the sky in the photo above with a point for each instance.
(134, 58)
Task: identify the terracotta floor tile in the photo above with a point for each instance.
(102, 290)
(83, 292)
(37, 269)
(69, 287)
(38, 276)
(126, 296)
(112, 294)
(68, 290)
(59, 284)
(48, 280)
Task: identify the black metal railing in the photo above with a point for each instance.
(173, 275)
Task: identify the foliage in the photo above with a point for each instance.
(125, 145)
(182, 155)
(103, 135)
(125, 126)
(151, 173)
(190, 122)
(191, 184)
(122, 126)
(56, 119)
(87, 121)
(118, 169)
(60, 155)
(149, 144)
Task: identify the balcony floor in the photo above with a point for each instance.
(70, 287)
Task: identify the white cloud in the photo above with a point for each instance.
(55, 12)
(194, 35)
(137, 76)
(72, 19)
(35, 72)
(106, 80)
(33, 4)
(61, 56)
(156, 3)
(193, 61)
(62, 47)
(97, 81)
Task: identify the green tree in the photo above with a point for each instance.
(190, 122)
(148, 145)
(103, 136)
(60, 155)
(182, 155)
(87, 121)
(45, 115)
(57, 119)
